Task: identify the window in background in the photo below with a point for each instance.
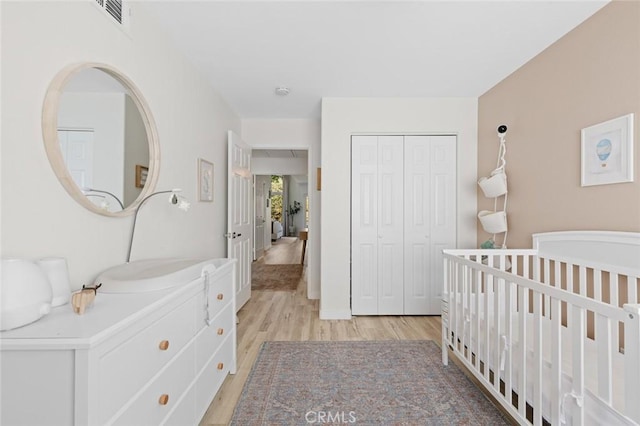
(276, 197)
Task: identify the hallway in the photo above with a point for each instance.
(285, 250)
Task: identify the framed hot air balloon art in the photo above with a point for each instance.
(607, 152)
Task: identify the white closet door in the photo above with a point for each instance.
(429, 219)
(443, 216)
(376, 225)
(364, 225)
(390, 225)
(402, 217)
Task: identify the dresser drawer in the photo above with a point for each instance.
(125, 369)
(211, 337)
(213, 375)
(185, 413)
(221, 292)
(163, 393)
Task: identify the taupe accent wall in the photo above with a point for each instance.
(589, 76)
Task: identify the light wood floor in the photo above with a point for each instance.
(287, 315)
(285, 250)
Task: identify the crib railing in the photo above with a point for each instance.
(492, 296)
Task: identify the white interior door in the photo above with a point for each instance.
(364, 225)
(403, 213)
(390, 225)
(240, 215)
(376, 225)
(429, 219)
(77, 151)
(443, 212)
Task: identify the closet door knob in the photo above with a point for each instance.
(164, 345)
(220, 366)
(220, 296)
(220, 331)
(164, 399)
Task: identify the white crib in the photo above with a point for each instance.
(553, 333)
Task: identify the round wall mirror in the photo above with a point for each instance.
(100, 138)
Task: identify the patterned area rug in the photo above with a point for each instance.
(275, 277)
(363, 383)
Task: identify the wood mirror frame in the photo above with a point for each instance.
(52, 144)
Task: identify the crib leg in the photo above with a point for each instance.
(632, 354)
(445, 330)
(445, 353)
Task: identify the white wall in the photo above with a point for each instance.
(279, 166)
(301, 134)
(134, 153)
(38, 217)
(343, 117)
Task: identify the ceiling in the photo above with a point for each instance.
(360, 48)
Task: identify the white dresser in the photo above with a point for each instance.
(151, 358)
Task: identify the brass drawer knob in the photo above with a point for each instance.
(220, 331)
(220, 366)
(164, 345)
(220, 296)
(164, 399)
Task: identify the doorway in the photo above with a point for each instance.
(281, 189)
(285, 215)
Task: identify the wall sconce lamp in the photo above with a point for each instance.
(88, 191)
(174, 199)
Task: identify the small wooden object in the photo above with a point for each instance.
(304, 236)
(141, 175)
(84, 298)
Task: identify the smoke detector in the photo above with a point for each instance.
(282, 91)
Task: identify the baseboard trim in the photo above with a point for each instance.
(334, 315)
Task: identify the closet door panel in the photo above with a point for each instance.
(417, 225)
(390, 284)
(390, 225)
(416, 300)
(364, 290)
(443, 187)
(403, 216)
(364, 225)
(443, 218)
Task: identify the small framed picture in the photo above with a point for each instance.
(205, 180)
(607, 152)
(141, 175)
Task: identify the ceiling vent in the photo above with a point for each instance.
(115, 9)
